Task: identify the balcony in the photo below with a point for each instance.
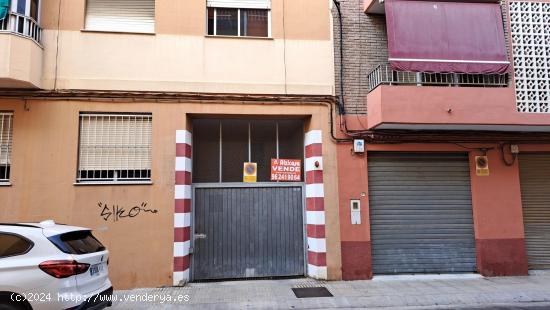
(446, 101)
(384, 75)
(20, 52)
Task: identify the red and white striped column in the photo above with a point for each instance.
(315, 206)
(182, 215)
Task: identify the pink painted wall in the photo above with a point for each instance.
(496, 199)
(431, 105)
(496, 202)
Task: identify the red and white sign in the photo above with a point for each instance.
(288, 170)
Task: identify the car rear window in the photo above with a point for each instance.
(12, 245)
(77, 242)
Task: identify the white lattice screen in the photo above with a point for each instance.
(530, 26)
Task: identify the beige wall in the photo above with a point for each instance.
(20, 62)
(44, 161)
(302, 19)
(179, 57)
(188, 63)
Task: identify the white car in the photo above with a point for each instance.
(50, 266)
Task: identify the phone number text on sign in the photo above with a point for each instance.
(289, 170)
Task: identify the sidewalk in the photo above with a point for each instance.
(438, 292)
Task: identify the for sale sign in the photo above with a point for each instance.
(287, 170)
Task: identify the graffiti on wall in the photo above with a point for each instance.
(116, 213)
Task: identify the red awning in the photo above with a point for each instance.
(428, 36)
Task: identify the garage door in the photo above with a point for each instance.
(421, 213)
(535, 193)
(248, 232)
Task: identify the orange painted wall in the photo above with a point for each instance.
(44, 164)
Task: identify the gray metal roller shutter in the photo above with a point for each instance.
(121, 15)
(535, 193)
(249, 233)
(421, 213)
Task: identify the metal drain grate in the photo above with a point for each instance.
(311, 283)
(311, 292)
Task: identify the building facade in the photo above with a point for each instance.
(137, 119)
(231, 139)
(451, 100)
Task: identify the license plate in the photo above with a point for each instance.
(95, 269)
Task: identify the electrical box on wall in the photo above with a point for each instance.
(482, 166)
(359, 146)
(355, 206)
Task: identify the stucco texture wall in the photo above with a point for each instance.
(44, 163)
(298, 59)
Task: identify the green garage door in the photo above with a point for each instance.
(535, 193)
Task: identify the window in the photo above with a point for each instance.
(115, 148)
(25, 17)
(244, 18)
(121, 15)
(77, 242)
(27, 8)
(6, 133)
(12, 245)
(221, 147)
(530, 27)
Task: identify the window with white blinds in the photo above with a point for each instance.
(6, 134)
(115, 148)
(121, 15)
(240, 4)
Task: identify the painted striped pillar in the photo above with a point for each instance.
(182, 214)
(315, 206)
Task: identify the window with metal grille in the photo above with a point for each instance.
(6, 134)
(114, 148)
(222, 146)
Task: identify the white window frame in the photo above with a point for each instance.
(238, 22)
(5, 178)
(14, 4)
(86, 180)
(27, 14)
(86, 27)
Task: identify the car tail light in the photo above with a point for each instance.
(63, 268)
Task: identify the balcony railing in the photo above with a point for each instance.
(22, 25)
(385, 75)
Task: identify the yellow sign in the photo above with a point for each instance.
(250, 172)
(482, 166)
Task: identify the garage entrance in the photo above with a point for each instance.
(421, 213)
(253, 229)
(535, 194)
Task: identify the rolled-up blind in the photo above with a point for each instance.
(121, 15)
(242, 4)
(6, 130)
(115, 142)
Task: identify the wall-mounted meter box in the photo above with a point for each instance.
(355, 205)
(359, 146)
